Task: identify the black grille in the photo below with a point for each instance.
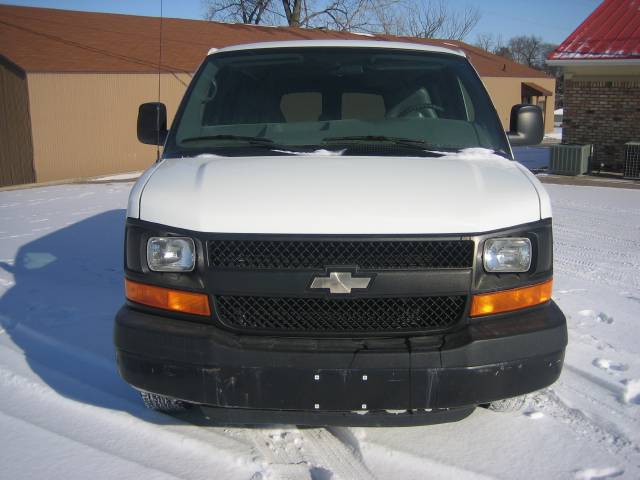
(352, 315)
(318, 254)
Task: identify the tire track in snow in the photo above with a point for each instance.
(587, 207)
(320, 449)
(149, 439)
(595, 237)
(597, 258)
(306, 453)
(616, 391)
(280, 452)
(548, 402)
(613, 269)
(6, 418)
(331, 453)
(593, 428)
(407, 465)
(578, 232)
(589, 270)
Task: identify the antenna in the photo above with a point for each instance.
(159, 69)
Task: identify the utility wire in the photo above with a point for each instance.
(82, 46)
(159, 69)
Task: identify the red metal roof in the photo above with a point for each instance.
(612, 31)
(50, 40)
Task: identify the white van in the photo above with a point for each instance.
(337, 233)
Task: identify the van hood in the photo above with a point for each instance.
(471, 192)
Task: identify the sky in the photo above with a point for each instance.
(553, 20)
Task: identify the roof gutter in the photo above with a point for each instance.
(569, 62)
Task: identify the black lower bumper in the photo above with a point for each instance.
(490, 359)
(369, 418)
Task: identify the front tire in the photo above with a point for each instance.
(161, 403)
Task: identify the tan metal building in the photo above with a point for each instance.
(71, 83)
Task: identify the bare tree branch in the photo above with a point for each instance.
(484, 41)
(426, 19)
(490, 42)
(528, 50)
(524, 49)
(292, 12)
(237, 11)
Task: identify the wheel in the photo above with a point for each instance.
(161, 403)
(514, 404)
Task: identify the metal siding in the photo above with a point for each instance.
(612, 31)
(85, 124)
(16, 150)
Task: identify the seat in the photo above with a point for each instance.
(415, 105)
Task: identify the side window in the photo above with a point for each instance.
(301, 107)
(363, 106)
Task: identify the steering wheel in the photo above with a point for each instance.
(419, 106)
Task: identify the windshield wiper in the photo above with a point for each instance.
(251, 140)
(407, 142)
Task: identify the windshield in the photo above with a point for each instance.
(290, 100)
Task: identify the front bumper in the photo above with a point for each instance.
(490, 359)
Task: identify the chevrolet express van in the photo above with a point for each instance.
(337, 233)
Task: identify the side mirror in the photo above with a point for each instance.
(526, 126)
(152, 123)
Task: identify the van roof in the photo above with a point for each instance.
(341, 43)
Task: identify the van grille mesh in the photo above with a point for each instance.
(348, 315)
(318, 254)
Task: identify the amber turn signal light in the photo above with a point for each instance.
(167, 299)
(510, 300)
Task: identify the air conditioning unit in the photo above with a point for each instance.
(632, 160)
(570, 159)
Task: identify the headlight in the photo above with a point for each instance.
(171, 254)
(507, 255)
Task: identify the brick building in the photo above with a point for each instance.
(601, 64)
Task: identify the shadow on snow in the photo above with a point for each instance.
(68, 288)
(60, 312)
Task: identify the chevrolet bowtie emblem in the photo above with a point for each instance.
(340, 282)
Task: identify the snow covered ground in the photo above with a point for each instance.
(535, 158)
(556, 134)
(65, 412)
